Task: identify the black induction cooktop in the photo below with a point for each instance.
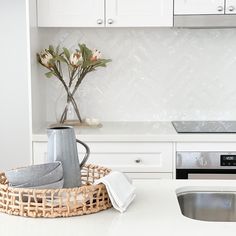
(205, 126)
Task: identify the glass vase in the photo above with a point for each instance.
(67, 111)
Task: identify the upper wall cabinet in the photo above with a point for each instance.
(141, 13)
(185, 7)
(70, 13)
(230, 7)
(91, 13)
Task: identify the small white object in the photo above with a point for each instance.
(92, 121)
(119, 188)
(110, 21)
(231, 8)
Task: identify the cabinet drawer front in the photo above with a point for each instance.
(146, 157)
(132, 162)
(70, 13)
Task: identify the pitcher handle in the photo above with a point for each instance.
(87, 152)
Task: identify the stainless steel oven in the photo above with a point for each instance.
(206, 165)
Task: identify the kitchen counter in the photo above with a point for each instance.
(155, 211)
(137, 131)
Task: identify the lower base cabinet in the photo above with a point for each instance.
(149, 160)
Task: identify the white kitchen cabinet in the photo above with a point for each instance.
(138, 160)
(91, 13)
(185, 7)
(70, 13)
(133, 13)
(230, 7)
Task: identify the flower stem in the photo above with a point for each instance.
(71, 100)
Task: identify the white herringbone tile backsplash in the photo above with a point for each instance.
(156, 74)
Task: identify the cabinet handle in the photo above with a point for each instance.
(220, 8)
(99, 21)
(110, 21)
(138, 160)
(231, 8)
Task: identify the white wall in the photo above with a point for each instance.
(156, 74)
(14, 95)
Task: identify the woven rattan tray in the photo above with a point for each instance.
(57, 202)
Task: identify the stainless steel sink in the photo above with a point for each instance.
(208, 206)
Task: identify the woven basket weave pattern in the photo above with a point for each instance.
(57, 202)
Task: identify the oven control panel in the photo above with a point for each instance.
(228, 160)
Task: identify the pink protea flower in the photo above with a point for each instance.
(76, 59)
(96, 55)
(45, 58)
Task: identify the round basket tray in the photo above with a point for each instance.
(53, 203)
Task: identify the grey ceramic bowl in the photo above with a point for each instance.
(32, 173)
(55, 185)
(52, 177)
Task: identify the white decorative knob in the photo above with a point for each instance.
(138, 161)
(99, 21)
(110, 21)
(220, 8)
(231, 8)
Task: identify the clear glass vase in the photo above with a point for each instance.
(67, 111)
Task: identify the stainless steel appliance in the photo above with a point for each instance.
(205, 126)
(206, 165)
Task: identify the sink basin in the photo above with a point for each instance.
(208, 205)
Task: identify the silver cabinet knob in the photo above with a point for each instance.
(138, 160)
(110, 21)
(220, 8)
(231, 8)
(99, 21)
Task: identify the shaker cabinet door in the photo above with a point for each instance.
(70, 13)
(185, 7)
(230, 7)
(141, 13)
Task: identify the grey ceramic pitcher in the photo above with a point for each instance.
(62, 146)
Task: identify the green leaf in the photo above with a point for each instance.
(57, 49)
(67, 53)
(60, 58)
(104, 60)
(53, 60)
(88, 63)
(38, 57)
(86, 52)
(51, 48)
(49, 74)
(97, 63)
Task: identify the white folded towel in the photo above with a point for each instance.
(119, 188)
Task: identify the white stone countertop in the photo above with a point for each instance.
(137, 132)
(155, 211)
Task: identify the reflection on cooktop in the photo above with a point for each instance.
(205, 126)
